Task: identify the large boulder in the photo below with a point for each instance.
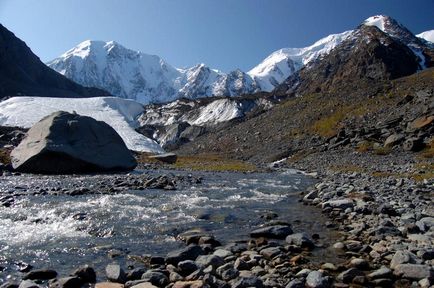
(63, 143)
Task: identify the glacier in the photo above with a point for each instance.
(427, 35)
(121, 114)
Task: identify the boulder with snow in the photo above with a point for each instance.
(64, 143)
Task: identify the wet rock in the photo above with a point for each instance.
(236, 247)
(108, 285)
(115, 273)
(382, 282)
(227, 272)
(359, 263)
(86, 274)
(28, 284)
(135, 274)
(210, 260)
(9, 285)
(414, 271)
(316, 279)
(303, 273)
(247, 282)
(187, 267)
(222, 253)
(339, 204)
(383, 272)
(277, 232)
(300, 239)
(156, 278)
(348, 275)
(270, 252)
(189, 284)
(156, 260)
(329, 267)
(296, 283)
(174, 277)
(214, 282)
(68, 282)
(144, 285)
(189, 253)
(240, 264)
(41, 274)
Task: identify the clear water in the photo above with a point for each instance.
(47, 232)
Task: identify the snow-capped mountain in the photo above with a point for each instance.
(123, 72)
(145, 78)
(121, 114)
(149, 79)
(397, 31)
(427, 35)
(277, 67)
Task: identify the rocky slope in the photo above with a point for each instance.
(22, 73)
(184, 120)
(353, 84)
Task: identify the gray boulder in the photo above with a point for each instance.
(169, 158)
(63, 143)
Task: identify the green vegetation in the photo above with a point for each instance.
(201, 162)
(212, 162)
(428, 152)
(5, 156)
(382, 150)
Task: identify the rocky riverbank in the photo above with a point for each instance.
(383, 204)
(380, 204)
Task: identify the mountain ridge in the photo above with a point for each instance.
(23, 73)
(150, 79)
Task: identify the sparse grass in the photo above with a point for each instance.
(348, 169)
(420, 176)
(328, 126)
(364, 146)
(5, 156)
(143, 158)
(211, 162)
(428, 152)
(201, 162)
(382, 150)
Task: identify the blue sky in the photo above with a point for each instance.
(224, 34)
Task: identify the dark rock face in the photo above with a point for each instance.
(22, 73)
(369, 56)
(64, 143)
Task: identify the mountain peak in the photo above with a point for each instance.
(380, 21)
(391, 27)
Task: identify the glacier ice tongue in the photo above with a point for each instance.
(119, 113)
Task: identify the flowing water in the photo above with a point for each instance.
(63, 232)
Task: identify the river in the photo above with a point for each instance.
(63, 232)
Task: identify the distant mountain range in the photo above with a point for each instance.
(149, 79)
